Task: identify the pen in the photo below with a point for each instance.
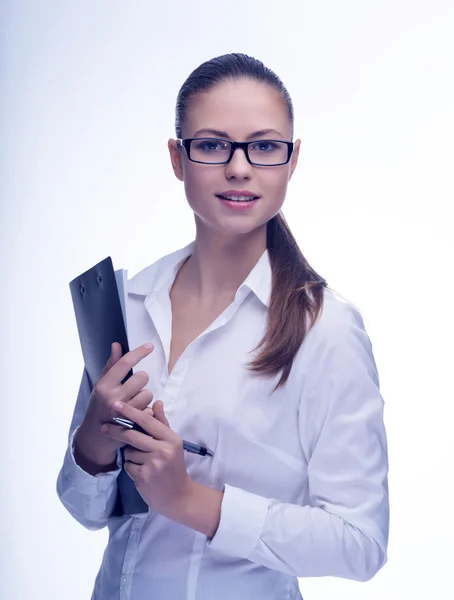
(188, 446)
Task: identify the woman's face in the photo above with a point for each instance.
(237, 108)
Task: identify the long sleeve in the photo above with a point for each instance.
(343, 530)
(89, 499)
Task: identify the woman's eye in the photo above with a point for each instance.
(263, 147)
(211, 146)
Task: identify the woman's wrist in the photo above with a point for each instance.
(92, 460)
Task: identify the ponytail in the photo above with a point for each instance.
(296, 294)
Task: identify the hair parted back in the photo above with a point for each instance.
(297, 290)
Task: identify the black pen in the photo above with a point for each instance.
(188, 446)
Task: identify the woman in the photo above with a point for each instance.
(251, 356)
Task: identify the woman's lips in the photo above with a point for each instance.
(238, 205)
(238, 193)
(242, 196)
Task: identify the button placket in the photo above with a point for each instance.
(171, 388)
(130, 557)
(175, 381)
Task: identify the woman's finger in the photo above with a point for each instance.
(132, 470)
(122, 366)
(159, 412)
(115, 355)
(135, 456)
(150, 424)
(138, 440)
(142, 400)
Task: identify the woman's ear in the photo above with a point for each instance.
(294, 158)
(175, 157)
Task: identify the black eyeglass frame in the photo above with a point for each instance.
(186, 143)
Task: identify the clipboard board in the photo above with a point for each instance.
(99, 301)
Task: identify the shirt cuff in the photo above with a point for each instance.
(89, 484)
(242, 519)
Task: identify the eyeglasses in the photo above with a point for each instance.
(261, 153)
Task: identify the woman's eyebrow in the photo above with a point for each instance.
(224, 134)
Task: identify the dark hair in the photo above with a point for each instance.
(297, 290)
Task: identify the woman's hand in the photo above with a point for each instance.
(156, 464)
(93, 451)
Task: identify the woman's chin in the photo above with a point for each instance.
(236, 227)
(234, 224)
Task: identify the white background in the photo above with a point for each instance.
(87, 98)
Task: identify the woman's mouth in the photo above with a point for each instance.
(232, 198)
(238, 202)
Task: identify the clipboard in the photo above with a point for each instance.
(99, 301)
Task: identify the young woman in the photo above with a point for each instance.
(252, 356)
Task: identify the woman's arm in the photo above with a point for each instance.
(343, 531)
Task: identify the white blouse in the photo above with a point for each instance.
(304, 469)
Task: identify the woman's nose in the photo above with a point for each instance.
(238, 165)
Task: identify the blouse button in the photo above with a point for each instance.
(135, 525)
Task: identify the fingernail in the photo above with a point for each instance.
(118, 405)
(148, 346)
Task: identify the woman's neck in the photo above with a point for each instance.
(219, 265)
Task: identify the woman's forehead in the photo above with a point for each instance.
(239, 108)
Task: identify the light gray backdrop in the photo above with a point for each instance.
(87, 105)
